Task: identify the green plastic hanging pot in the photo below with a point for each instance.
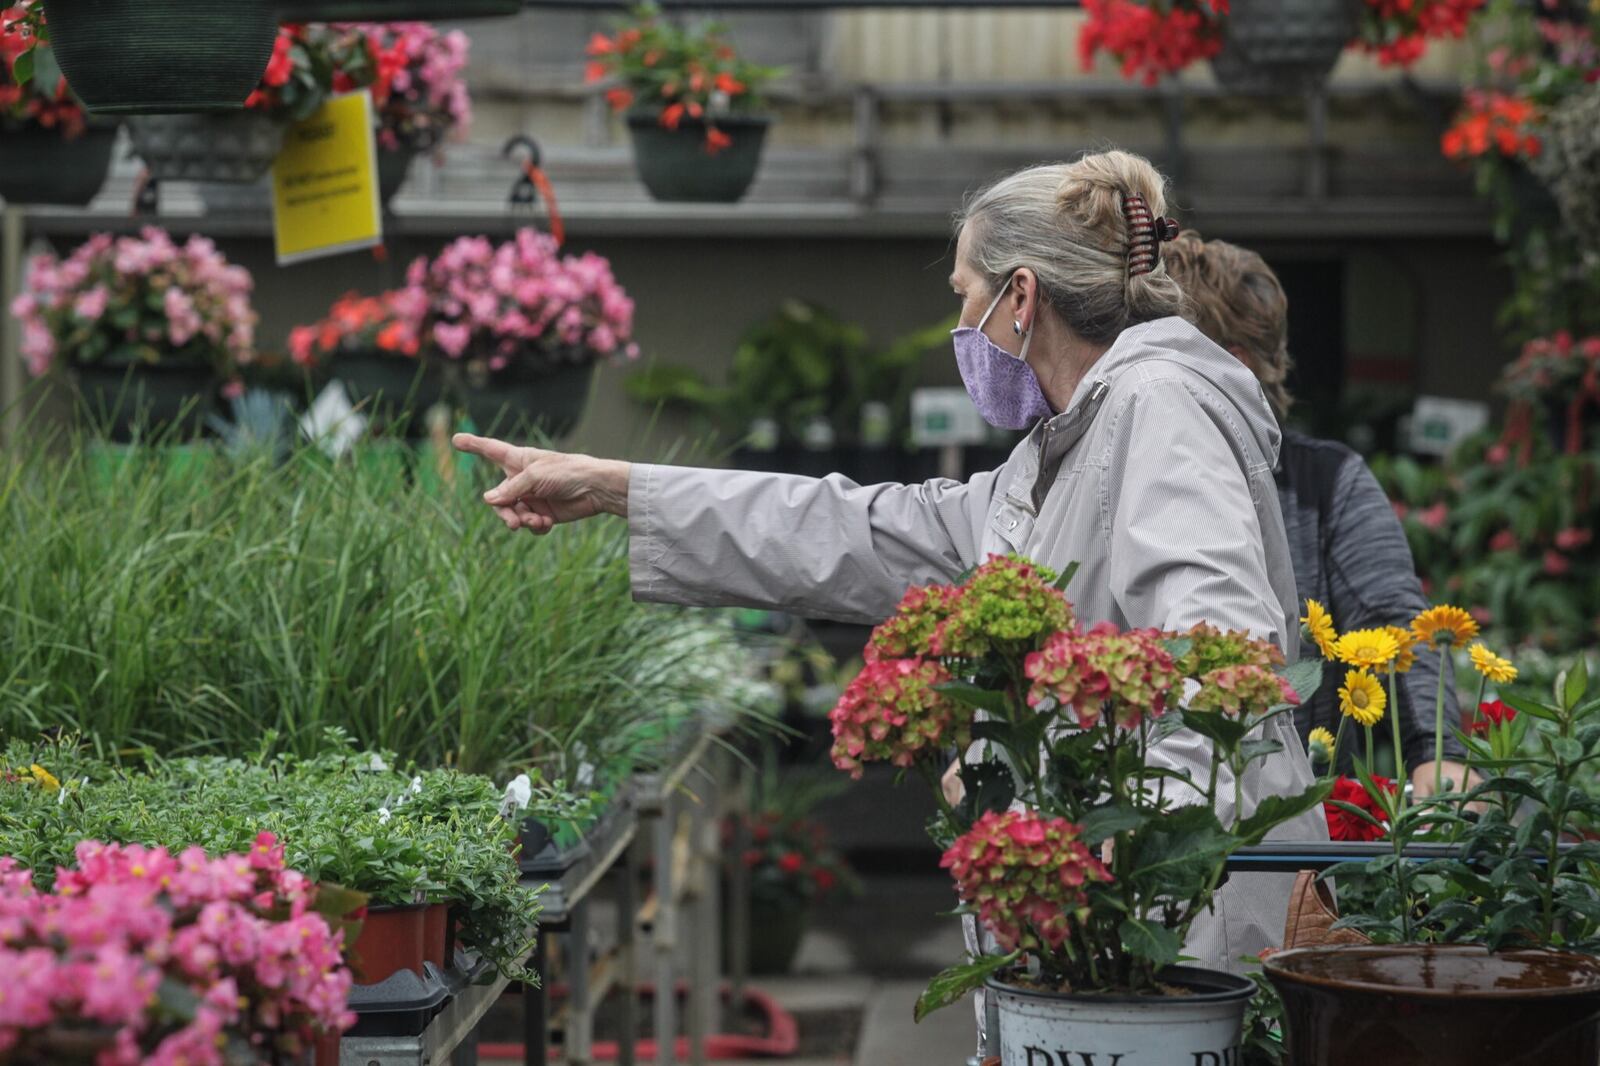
(394, 10)
(40, 166)
(162, 56)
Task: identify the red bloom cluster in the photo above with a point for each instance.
(1491, 714)
(280, 68)
(1129, 675)
(891, 713)
(50, 106)
(789, 858)
(1493, 122)
(1150, 38)
(358, 323)
(1007, 601)
(1027, 876)
(1398, 31)
(1342, 825)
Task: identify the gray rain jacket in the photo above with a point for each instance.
(1157, 480)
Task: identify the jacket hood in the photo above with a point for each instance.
(1175, 340)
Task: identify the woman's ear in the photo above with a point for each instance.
(1022, 302)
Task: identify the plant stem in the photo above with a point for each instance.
(1438, 723)
(1399, 757)
(1370, 767)
(1338, 744)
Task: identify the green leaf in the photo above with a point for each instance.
(984, 699)
(1251, 750)
(1151, 941)
(1305, 677)
(1566, 749)
(1178, 647)
(1108, 821)
(958, 982)
(1222, 729)
(22, 66)
(1066, 576)
(1576, 683)
(990, 786)
(1273, 811)
(1523, 705)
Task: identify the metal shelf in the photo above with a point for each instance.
(448, 1031)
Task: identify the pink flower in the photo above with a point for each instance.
(892, 713)
(1503, 541)
(1556, 564)
(92, 304)
(1434, 517)
(1570, 540)
(452, 338)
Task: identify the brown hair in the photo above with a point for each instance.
(1234, 298)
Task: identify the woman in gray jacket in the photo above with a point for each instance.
(1149, 463)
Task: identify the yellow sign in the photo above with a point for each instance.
(325, 183)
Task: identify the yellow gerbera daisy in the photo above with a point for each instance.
(1367, 648)
(1444, 626)
(1500, 671)
(1320, 745)
(1362, 697)
(1407, 640)
(1319, 626)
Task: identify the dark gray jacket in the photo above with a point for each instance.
(1350, 554)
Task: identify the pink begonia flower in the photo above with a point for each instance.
(92, 304)
(453, 339)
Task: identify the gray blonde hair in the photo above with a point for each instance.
(1064, 221)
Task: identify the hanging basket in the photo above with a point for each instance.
(124, 403)
(162, 56)
(1570, 163)
(40, 166)
(394, 166)
(221, 148)
(1283, 45)
(524, 396)
(394, 10)
(675, 166)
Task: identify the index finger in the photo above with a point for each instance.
(496, 451)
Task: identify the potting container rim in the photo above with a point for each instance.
(169, 107)
(396, 908)
(1233, 988)
(653, 119)
(1280, 965)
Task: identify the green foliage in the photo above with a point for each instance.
(665, 62)
(958, 982)
(345, 818)
(192, 602)
(800, 364)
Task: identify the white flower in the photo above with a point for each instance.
(383, 815)
(416, 786)
(518, 794)
(376, 763)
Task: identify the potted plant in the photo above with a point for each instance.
(150, 328)
(240, 147)
(1149, 40)
(1072, 844)
(693, 107)
(1477, 951)
(137, 954)
(419, 91)
(371, 344)
(49, 152)
(520, 326)
(788, 862)
(134, 57)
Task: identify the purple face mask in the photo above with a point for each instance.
(1003, 386)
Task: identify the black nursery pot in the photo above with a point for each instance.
(124, 403)
(40, 166)
(162, 56)
(394, 10)
(675, 166)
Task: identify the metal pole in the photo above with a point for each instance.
(1317, 147)
(535, 1006)
(665, 933)
(627, 955)
(580, 1011)
(10, 348)
(739, 889)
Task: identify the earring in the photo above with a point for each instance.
(1016, 326)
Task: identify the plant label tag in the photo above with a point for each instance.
(325, 183)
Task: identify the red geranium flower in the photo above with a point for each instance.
(1342, 824)
(1493, 713)
(791, 862)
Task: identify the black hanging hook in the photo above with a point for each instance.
(524, 193)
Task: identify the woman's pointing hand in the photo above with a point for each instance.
(543, 488)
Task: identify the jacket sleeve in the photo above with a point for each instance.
(1372, 582)
(820, 548)
(1184, 541)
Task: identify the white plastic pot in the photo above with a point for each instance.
(1202, 1028)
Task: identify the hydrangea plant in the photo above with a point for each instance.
(1084, 854)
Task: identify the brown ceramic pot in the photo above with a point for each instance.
(391, 940)
(1426, 1005)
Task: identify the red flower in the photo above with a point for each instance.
(1343, 825)
(753, 857)
(1434, 517)
(671, 116)
(1556, 564)
(343, 82)
(281, 67)
(601, 45)
(791, 862)
(619, 99)
(1503, 541)
(1490, 714)
(760, 833)
(595, 70)
(716, 141)
(823, 879)
(1573, 539)
(727, 83)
